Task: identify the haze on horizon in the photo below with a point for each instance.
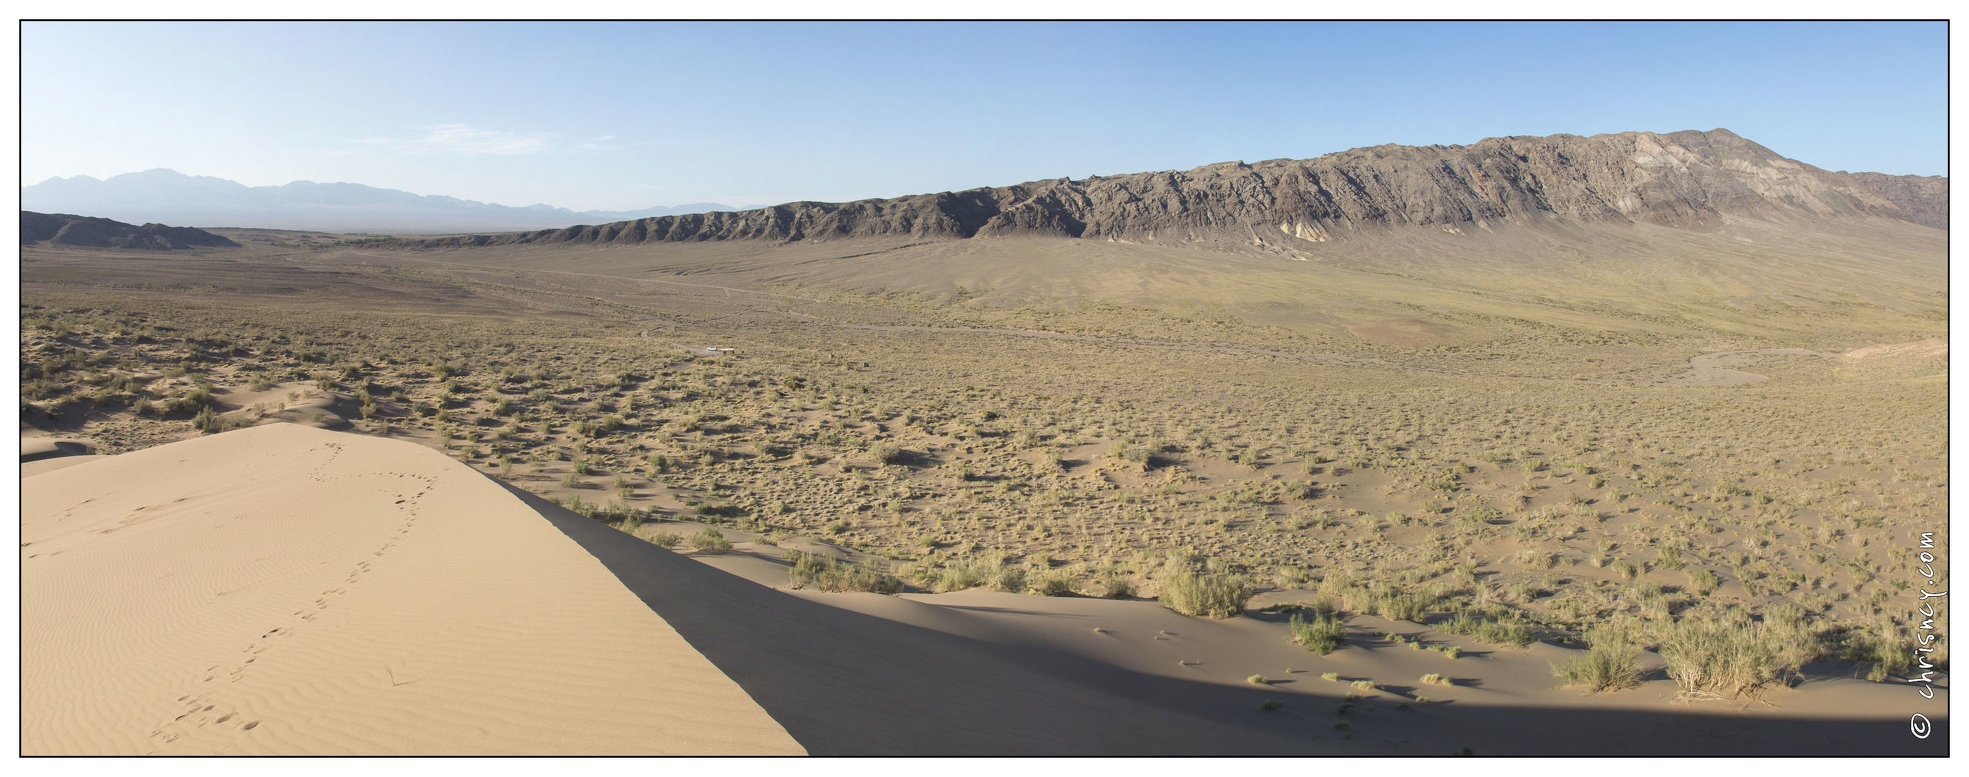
(629, 115)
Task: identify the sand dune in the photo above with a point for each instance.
(281, 590)
(41, 448)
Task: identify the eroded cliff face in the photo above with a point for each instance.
(1685, 178)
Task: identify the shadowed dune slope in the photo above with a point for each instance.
(286, 590)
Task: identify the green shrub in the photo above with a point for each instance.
(1322, 634)
(210, 422)
(1886, 647)
(1051, 582)
(664, 539)
(806, 566)
(1377, 599)
(189, 403)
(1703, 581)
(1399, 607)
(988, 571)
(1511, 631)
(1603, 668)
(710, 541)
(1115, 585)
(1205, 594)
(207, 421)
(1007, 578)
(1732, 655)
(1434, 678)
(957, 576)
(826, 574)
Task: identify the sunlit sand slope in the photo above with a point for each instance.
(281, 589)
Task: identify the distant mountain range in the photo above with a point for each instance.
(1686, 179)
(70, 230)
(172, 197)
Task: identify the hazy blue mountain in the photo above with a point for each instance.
(171, 197)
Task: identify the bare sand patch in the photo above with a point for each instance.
(1403, 331)
(1715, 369)
(1929, 348)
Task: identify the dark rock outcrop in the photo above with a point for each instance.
(69, 230)
(1685, 178)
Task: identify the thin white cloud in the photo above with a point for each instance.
(464, 140)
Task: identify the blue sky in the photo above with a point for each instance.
(629, 115)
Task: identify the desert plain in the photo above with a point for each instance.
(1631, 487)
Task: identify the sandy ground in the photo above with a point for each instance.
(295, 402)
(1715, 369)
(39, 466)
(41, 446)
(286, 590)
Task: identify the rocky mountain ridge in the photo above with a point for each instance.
(71, 230)
(1688, 178)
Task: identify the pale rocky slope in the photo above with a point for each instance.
(1687, 178)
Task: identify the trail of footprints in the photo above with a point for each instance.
(201, 710)
(334, 452)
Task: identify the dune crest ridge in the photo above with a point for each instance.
(288, 590)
